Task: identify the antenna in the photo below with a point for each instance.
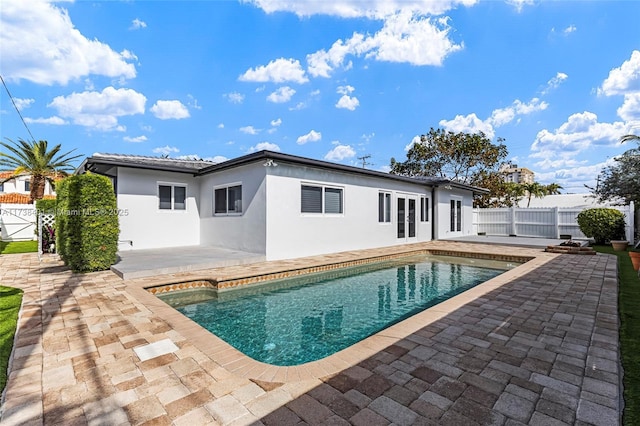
(364, 160)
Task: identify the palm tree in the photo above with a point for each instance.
(33, 158)
(627, 138)
(552, 189)
(533, 189)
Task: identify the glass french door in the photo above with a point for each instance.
(406, 218)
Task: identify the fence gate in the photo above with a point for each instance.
(17, 222)
(46, 221)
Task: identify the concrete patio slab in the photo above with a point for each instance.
(145, 263)
(535, 345)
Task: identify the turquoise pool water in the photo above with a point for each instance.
(293, 321)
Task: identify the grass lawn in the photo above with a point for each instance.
(629, 307)
(12, 247)
(10, 299)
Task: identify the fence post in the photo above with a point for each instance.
(632, 215)
(513, 221)
(556, 221)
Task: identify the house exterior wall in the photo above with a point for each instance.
(245, 231)
(17, 185)
(290, 233)
(443, 198)
(143, 224)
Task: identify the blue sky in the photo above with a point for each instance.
(333, 80)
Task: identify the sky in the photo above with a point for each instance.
(339, 80)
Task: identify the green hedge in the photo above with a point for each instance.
(46, 206)
(602, 224)
(87, 222)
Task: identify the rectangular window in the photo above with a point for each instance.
(424, 209)
(27, 185)
(320, 199)
(384, 207)
(227, 200)
(456, 215)
(172, 197)
(2, 187)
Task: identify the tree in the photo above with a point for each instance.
(35, 159)
(460, 156)
(537, 190)
(620, 182)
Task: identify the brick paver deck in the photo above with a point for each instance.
(537, 345)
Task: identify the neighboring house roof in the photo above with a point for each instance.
(101, 163)
(15, 198)
(564, 200)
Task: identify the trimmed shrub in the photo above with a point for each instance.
(602, 224)
(88, 231)
(62, 207)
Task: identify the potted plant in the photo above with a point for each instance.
(619, 245)
(634, 254)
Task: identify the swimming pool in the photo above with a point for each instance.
(293, 321)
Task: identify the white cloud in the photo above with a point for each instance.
(312, 136)
(100, 110)
(554, 83)
(340, 152)
(468, 124)
(581, 131)
(570, 29)
(40, 44)
(264, 146)
(249, 130)
(277, 71)
(520, 4)
(195, 157)
(193, 102)
(414, 141)
(345, 90)
(23, 103)
(281, 95)
(234, 97)
(137, 139)
(55, 121)
(348, 102)
(221, 126)
(169, 110)
(165, 150)
(276, 123)
(375, 9)
(137, 24)
(624, 79)
(404, 37)
(502, 116)
(630, 109)
(571, 177)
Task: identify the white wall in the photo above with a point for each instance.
(141, 220)
(291, 233)
(443, 223)
(245, 231)
(16, 185)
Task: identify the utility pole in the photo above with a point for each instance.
(364, 160)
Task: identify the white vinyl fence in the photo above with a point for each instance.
(17, 222)
(551, 222)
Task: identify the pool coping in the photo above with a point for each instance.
(242, 365)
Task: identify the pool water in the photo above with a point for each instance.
(293, 321)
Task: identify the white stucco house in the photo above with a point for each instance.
(278, 205)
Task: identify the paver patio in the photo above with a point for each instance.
(537, 345)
